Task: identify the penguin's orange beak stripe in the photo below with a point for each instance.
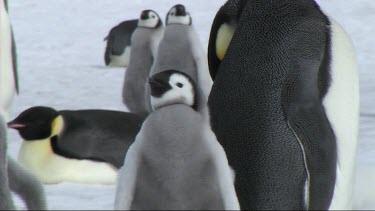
(15, 126)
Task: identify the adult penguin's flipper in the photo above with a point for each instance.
(305, 86)
(15, 66)
(312, 129)
(108, 50)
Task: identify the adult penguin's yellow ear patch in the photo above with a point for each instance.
(223, 38)
(57, 125)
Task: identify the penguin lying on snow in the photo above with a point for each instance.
(117, 52)
(85, 146)
(8, 62)
(285, 103)
(175, 161)
(14, 177)
(181, 49)
(145, 41)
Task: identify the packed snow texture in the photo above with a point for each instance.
(60, 52)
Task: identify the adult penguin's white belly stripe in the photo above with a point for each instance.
(343, 98)
(8, 75)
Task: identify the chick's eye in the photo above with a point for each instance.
(153, 16)
(180, 85)
(172, 13)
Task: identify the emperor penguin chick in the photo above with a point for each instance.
(145, 41)
(180, 49)
(175, 162)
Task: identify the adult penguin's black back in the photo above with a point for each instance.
(271, 65)
(107, 135)
(119, 38)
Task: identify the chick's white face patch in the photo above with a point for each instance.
(151, 22)
(173, 19)
(182, 92)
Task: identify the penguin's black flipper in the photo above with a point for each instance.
(313, 131)
(14, 55)
(108, 50)
(119, 38)
(6, 5)
(304, 88)
(15, 66)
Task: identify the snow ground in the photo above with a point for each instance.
(60, 51)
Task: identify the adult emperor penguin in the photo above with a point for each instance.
(84, 146)
(181, 49)
(175, 162)
(145, 41)
(285, 103)
(15, 178)
(117, 52)
(8, 62)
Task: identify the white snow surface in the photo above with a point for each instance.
(60, 53)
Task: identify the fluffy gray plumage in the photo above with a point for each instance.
(175, 161)
(175, 169)
(174, 53)
(6, 201)
(14, 177)
(180, 50)
(144, 40)
(27, 186)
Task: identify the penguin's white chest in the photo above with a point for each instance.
(50, 168)
(122, 60)
(7, 81)
(342, 108)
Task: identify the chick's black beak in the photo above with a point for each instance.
(144, 15)
(154, 83)
(180, 10)
(158, 87)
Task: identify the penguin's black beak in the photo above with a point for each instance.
(144, 15)
(180, 10)
(15, 125)
(156, 82)
(158, 86)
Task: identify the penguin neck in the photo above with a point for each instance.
(155, 40)
(35, 151)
